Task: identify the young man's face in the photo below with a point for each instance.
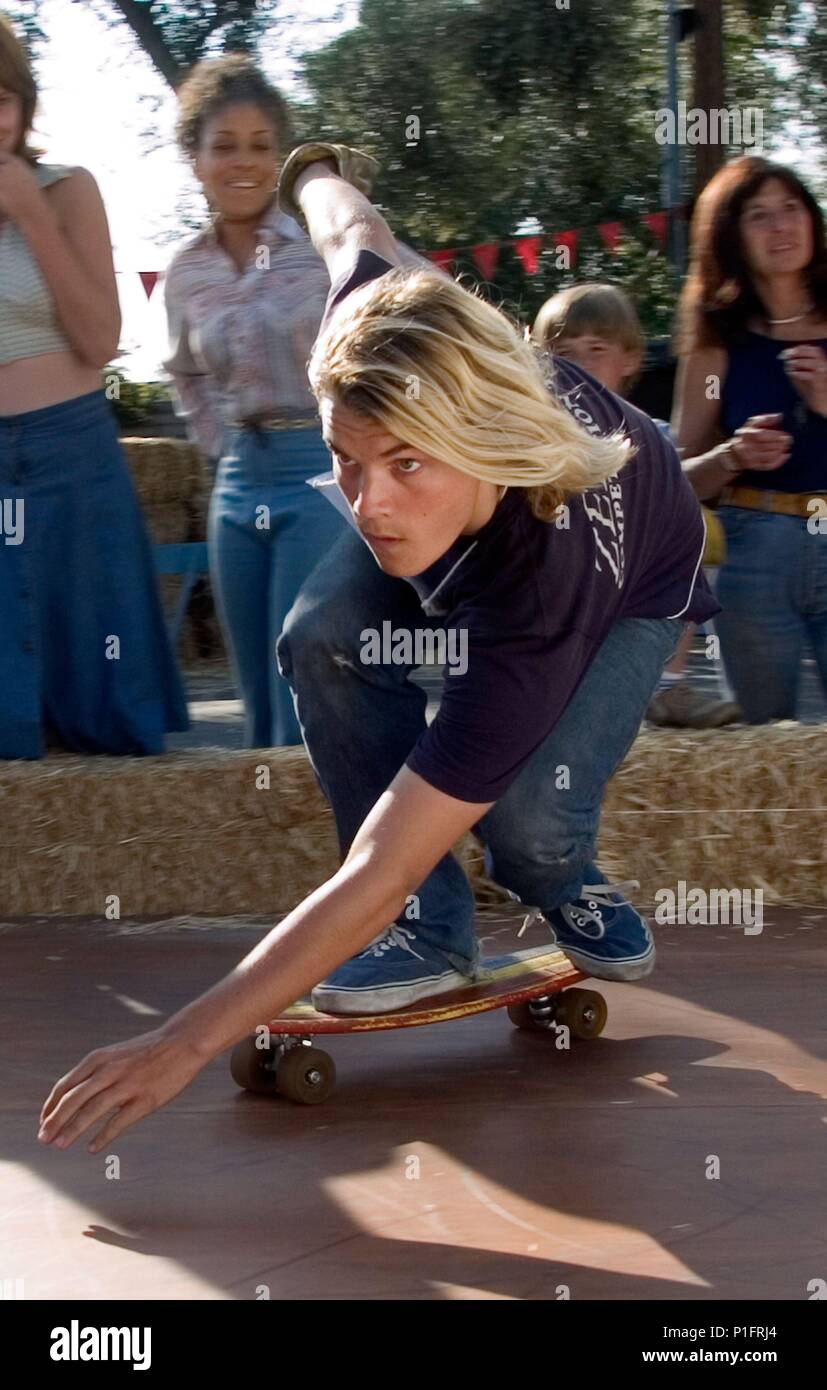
(409, 506)
(610, 363)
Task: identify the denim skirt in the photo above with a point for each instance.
(84, 648)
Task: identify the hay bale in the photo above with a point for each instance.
(191, 796)
(165, 470)
(721, 808)
(201, 832)
(189, 829)
(168, 522)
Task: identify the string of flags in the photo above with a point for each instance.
(528, 248)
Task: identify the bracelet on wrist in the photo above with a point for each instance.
(729, 465)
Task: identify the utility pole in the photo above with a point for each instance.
(708, 90)
(704, 19)
(671, 164)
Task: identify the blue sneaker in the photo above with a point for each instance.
(395, 970)
(603, 934)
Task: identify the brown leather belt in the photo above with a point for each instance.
(765, 500)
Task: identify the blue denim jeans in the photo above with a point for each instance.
(360, 722)
(267, 531)
(772, 587)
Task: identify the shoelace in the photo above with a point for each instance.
(394, 936)
(535, 915)
(595, 896)
(577, 915)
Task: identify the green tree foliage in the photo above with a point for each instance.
(809, 88)
(490, 118)
(535, 111)
(517, 110)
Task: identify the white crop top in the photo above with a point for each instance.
(28, 324)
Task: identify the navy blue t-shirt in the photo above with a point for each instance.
(756, 384)
(537, 598)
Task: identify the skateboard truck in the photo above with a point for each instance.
(534, 986)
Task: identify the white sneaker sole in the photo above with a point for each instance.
(624, 970)
(383, 999)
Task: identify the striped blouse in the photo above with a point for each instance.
(240, 340)
(28, 324)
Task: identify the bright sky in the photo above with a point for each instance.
(103, 106)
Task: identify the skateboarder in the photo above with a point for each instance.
(493, 495)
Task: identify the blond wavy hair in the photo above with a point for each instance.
(439, 368)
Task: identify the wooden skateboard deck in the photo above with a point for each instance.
(534, 985)
(502, 980)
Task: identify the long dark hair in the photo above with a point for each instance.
(719, 297)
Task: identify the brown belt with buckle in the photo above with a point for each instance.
(765, 500)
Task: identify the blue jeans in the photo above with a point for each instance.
(773, 590)
(267, 531)
(361, 721)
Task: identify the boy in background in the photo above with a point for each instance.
(596, 327)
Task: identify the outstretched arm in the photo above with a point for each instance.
(408, 831)
(341, 220)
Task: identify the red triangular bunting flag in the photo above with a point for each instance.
(569, 240)
(148, 280)
(442, 259)
(658, 223)
(610, 232)
(528, 250)
(485, 258)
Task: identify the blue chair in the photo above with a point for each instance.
(189, 560)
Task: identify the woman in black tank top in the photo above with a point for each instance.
(751, 421)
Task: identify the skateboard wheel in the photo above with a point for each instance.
(249, 1069)
(582, 1011)
(306, 1075)
(522, 1016)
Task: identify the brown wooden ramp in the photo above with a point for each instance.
(679, 1155)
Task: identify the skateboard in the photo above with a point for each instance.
(534, 985)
